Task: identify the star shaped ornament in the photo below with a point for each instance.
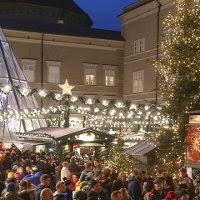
(66, 88)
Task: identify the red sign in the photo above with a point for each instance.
(193, 144)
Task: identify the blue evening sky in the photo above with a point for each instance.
(104, 13)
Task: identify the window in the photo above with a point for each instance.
(139, 45)
(109, 77)
(54, 74)
(90, 76)
(53, 71)
(138, 81)
(28, 67)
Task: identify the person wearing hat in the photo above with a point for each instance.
(11, 193)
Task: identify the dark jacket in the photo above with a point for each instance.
(134, 189)
(11, 196)
(118, 184)
(38, 190)
(59, 196)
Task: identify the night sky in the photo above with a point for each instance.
(104, 13)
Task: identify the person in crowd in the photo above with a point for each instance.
(125, 195)
(26, 190)
(197, 194)
(58, 169)
(65, 173)
(106, 181)
(73, 167)
(182, 194)
(80, 195)
(45, 181)
(134, 186)
(121, 182)
(76, 182)
(116, 195)
(59, 194)
(11, 193)
(185, 179)
(158, 193)
(34, 176)
(46, 194)
(97, 167)
(69, 189)
(87, 172)
(162, 174)
(171, 195)
(168, 186)
(148, 190)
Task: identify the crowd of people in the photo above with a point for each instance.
(40, 176)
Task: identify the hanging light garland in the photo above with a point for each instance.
(99, 113)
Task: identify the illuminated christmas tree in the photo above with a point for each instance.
(179, 79)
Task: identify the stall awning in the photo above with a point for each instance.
(57, 132)
(140, 149)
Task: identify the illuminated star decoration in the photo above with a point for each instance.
(66, 88)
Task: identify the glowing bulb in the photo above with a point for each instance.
(74, 98)
(24, 91)
(6, 89)
(89, 101)
(58, 97)
(119, 104)
(112, 112)
(133, 106)
(105, 102)
(42, 93)
(96, 110)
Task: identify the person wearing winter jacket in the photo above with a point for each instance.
(26, 190)
(59, 194)
(134, 186)
(45, 182)
(11, 193)
(65, 173)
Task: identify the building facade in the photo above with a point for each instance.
(56, 41)
(142, 30)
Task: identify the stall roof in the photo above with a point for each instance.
(57, 132)
(141, 148)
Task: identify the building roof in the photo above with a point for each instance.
(140, 149)
(136, 5)
(63, 4)
(59, 29)
(44, 12)
(62, 17)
